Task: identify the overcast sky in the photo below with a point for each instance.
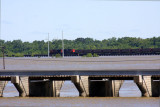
(31, 20)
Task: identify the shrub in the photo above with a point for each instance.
(58, 55)
(95, 55)
(89, 55)
(84, 56)
(10, 54)
(32, 55)
(19, 55)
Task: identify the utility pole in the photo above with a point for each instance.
(62, 45)
(0, 22)
(48, 44)
(154, 41)
(3, 59)
(2, 49)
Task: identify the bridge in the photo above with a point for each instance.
(103, 81)
(48, 83)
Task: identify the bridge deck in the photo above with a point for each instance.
(79, 63)
(79, 72)
(108, 65)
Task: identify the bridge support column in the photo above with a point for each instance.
(57, 85)
(82, 85)
(2, 86)
(144, 84)
(21, 84)
(116, 85)
(45, 88)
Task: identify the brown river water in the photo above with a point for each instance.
(69, 94)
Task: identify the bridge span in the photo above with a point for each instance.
(48, 83)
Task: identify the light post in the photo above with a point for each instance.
(47, 39)
(0, 21)
(48, 44)
(62, 45)
(2, 47)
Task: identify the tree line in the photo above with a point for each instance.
(20, 48)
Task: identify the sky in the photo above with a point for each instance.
(31, 20)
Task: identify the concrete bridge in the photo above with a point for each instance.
(101, 76)
(89, 83)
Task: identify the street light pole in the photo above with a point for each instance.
(2, 48)
(48, 44)
(62, 45)
(3, 59)
(0, 22)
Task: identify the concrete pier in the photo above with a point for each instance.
(144, 84)
(22, 85)
(116, 85)
(82, 85)
(57, 85)
(2, 86)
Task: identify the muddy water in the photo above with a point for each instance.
(69, 94)
(80, 102)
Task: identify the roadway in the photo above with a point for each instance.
(79, 63)
(107, 65)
